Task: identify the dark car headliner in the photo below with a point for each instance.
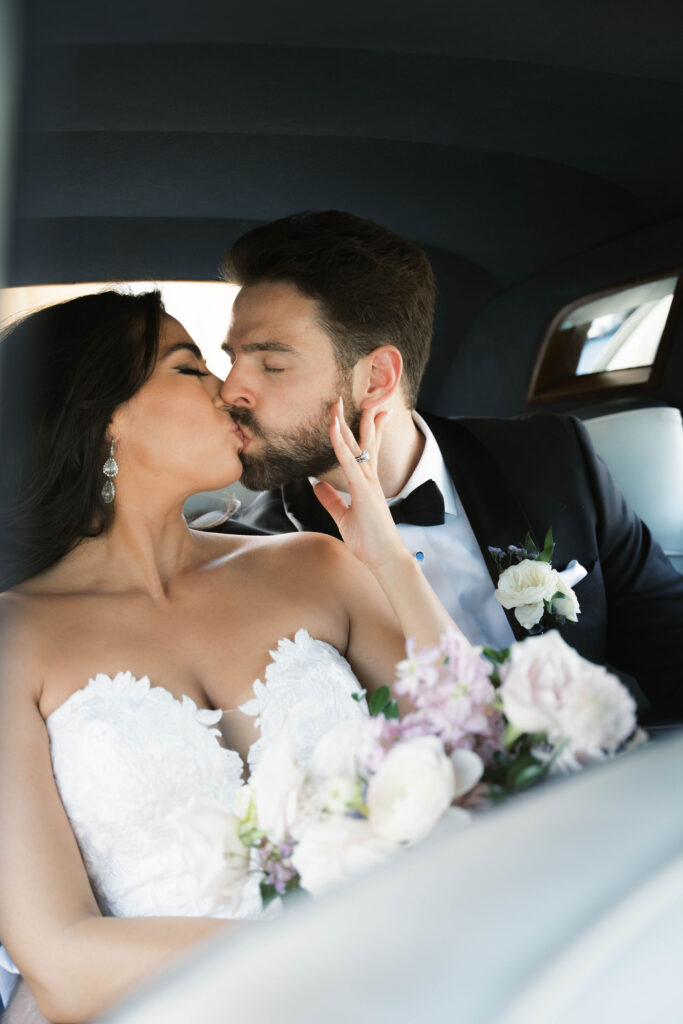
(534, 148)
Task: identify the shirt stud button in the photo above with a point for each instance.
(420, 555)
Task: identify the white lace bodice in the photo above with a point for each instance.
(127, 756)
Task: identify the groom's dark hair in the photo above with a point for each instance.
(372, 286)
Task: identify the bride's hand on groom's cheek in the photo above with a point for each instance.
(365, 525)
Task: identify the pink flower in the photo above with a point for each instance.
(549, 688)
(452, 694)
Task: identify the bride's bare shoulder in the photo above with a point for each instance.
(283, 552)
(17, 610)
(294, 547)
(21, 620)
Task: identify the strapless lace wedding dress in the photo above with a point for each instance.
(127, 756)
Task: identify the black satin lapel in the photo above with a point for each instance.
(302, 506)
(495, 515)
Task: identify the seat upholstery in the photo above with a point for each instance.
(643, 449)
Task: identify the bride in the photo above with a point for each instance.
(125, 633)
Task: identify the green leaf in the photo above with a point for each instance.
(529, 775)
(358, 696)
(556, 753)
(268, 893)
(548, 547)
(524, 771)
(500, 759)
(530, 544)
(391, 710)
(511, 735)
(379, 700)
(498, 657)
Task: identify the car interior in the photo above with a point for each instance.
(534, 151)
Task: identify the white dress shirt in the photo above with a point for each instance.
(449, 554)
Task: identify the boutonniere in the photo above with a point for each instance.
(540, 595)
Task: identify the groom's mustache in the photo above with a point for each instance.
(246, 418)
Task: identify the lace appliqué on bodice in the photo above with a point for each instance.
(309, 687)
(127, 756)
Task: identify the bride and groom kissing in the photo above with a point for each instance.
(169, 626)
(333, 304)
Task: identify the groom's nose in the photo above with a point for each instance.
(236, 390)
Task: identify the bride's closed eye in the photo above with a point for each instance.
(193, 371)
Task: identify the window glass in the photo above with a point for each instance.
(605, 342)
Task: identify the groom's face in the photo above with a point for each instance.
(283, 380)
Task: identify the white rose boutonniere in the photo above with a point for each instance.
(528, 584)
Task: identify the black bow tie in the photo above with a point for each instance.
(422, 507)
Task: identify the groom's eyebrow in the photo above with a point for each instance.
(260, 346)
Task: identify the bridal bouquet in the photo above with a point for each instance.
(482, 725)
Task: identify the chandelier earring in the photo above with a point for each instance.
(110, 469)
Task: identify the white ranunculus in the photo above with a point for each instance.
(568, 604)
(468, 768)
(337, 752)
(335, 849)
(208, 837)
(413, 788)
(531, 582)
(340, 794)
(275, 784)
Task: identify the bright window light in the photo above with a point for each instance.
(202, 307)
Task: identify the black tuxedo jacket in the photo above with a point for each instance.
(530, 473)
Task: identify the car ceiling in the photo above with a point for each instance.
(505, 138)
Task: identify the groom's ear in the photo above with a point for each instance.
(377, 376)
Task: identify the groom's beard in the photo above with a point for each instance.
(293, 455)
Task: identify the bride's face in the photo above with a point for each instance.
(175, 434)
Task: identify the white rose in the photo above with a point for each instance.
(338, 751)
(567, 605)
(534, 681)
(208, 837)
(528, 615)
(525, 587)
(335, 849)
(275, 784)
(413, 788)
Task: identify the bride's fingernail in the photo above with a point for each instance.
(336, 422)
(388, 416)
(341, 405)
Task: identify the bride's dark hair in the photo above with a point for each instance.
(63, 372)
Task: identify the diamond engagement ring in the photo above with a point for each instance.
(364, 456)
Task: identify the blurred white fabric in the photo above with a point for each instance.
(564, 905)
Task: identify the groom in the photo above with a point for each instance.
(331, 304)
